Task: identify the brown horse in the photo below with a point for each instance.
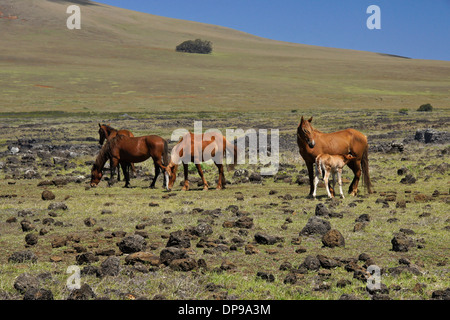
(199, 148)
(124, 150)
(312, 142)
(106, 132)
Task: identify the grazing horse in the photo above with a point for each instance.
(199, 148)
(311, 142)
(327, 164)
(124, 150)
(106, 132)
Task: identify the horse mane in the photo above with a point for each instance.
(103, 155)
(108, 127)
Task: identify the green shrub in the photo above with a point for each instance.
(425, 107)
(403, 111)
(195, 46)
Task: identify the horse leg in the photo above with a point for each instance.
(114, 164)
(310, 166)
(186, 181)
(332, 184)
(157, 170)
(221, 183)
(316, 180)
(325, 179)
(126, 174)
(133, 169)
(200, 172)
(356, 168)
(339, 174)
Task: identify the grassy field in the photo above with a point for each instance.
(278, 208)
(121, 68)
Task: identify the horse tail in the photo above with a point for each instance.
(365, 170)
(166, 153)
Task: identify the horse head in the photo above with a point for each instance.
(349, 157)
(96, 176)
(171, 175)
(305, 132)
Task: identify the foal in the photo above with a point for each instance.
(326, 164)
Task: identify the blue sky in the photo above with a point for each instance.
(417, 29)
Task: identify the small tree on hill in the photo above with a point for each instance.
(425, 107)
(195, 46)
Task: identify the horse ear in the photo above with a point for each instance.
(301, 121)
(99, 125)
(310, 119)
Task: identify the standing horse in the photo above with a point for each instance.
(311, 142)
(124, 150)
(200, 148)
(106, 132)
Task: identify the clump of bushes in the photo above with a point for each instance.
(425, 107)
(195, 46)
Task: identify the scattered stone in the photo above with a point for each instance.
(328, 263)
(142, 257)
(11, 220)
(401, 204)
(169, 254)
(441, 294)
(395, 271)
(262, 238)
(132, 243)
(179, 239)
(23, 256)
(57, 206)
(265, 276)
(228, 266)
(322, 210)
(38, 294)
(26, 225)
(203, 229)
(316, 225)
(333, 238)
(251, 249)
(89, 222)
(111, 266)
(244, 222)
(47, 195)
(432, 136)
(86, 258)
(84, 293)
(408, 179)
(31, 239)
(363, 218)
(25, 282)
(401, 242)
(311, 263)
(186, 264)
(359, 226)
(343, 283)
(291, 278)
(300, 250)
